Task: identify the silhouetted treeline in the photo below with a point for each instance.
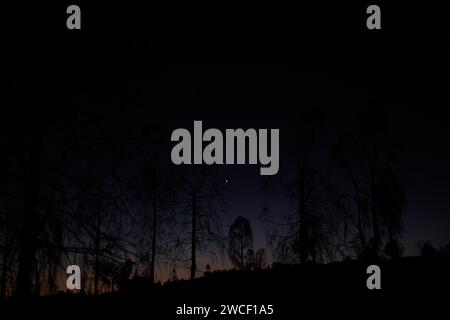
(347, 198)
(105, 197)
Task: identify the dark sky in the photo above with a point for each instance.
(139, 66)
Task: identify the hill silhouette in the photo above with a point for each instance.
(329, 290)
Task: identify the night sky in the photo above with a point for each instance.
(136, 70)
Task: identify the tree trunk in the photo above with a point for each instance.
(38, 100)
(303, 228)
(29, 218)
(360, 222)
(359, 210)
(37, 281)
(242, 256)
(154, 228)
(375, 225)
(4, 268)
(373, 171)
(194, 236)
(97, 257)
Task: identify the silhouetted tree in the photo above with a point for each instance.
(302, 234)
(157, 195)
(100, 238)
(427, 249)
(250, 260)
(240, 241)
(174, 276)
(8, 245)
(261, 259)
(198, 200)
(445, 249)
(126, 272)
(393, 250)
(375, 198)
(207, 269)
(390, 201)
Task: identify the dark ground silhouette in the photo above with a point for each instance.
(409, 285)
